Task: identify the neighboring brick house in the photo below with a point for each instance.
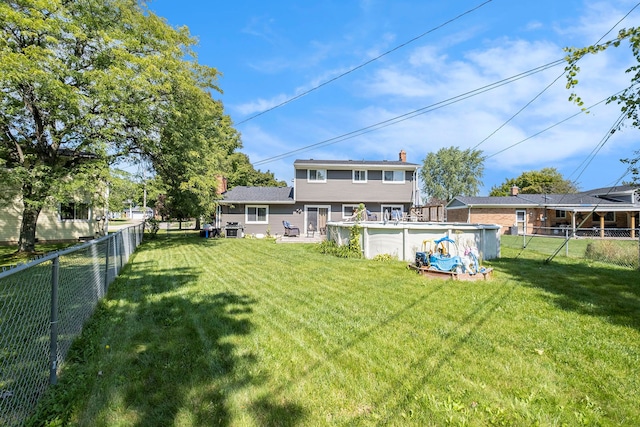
(611, 207)
(324, 190)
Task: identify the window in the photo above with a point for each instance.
(393, 176)
(317, 175)
(360, 176)
(561, 214)
(348, 211)
(392, 212)
(608, 216)
(257, 215)
(74, 211)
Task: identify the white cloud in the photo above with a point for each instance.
(534, 25)
(428, 74)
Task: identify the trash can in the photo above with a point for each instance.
(514, 230)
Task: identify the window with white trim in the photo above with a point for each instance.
(359, 176)
(74, 211)
(396, 177)
(561, 214)
(317, 175)
(392, 212)
(348, 211)
(256, 214)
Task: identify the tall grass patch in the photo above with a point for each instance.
(610, 252)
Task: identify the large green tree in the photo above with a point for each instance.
(629, 99)
(452, 172)
(240, 171)
(83, 82)
(194, 143)
(546, 180)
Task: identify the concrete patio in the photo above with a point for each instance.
(303, 238)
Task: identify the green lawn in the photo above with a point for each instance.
(240, 332)
(9, 257)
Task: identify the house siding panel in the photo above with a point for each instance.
(340, 188)
(49, 228)
(277, 214)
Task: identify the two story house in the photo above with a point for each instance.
(323, 191)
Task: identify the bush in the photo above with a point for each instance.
(329, 247)
(385, 257)
(153, 225)
(609, 251)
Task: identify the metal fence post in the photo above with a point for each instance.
(106, 267)
(120, 249)
(53, 335)
(566, 239)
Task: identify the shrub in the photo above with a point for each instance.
(153, 225)
(329, 247)
(385, 257)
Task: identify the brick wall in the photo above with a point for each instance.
(505, 217)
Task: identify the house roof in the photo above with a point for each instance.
(349, 164)
(608, 198)
(272, 195)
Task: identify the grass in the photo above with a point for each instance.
(237, 332)
(8, 255)
(549, 245)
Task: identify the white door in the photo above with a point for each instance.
(521, 221)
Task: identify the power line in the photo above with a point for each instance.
(441, 104)
(566, 239)
(552, 83)
(414, 113)
(519, 111)
(364, 63)
(547, 128)
(599, 147)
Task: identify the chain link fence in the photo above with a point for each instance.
(43, 306)
(614, 246)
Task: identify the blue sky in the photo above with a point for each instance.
(429, 52)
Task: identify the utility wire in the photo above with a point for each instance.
(364, 63)
(441, 104)
(414, 113)
(549, 128)
(566, 239)
(519, 111)
(587, 161)
(552, 83)
(600, 145)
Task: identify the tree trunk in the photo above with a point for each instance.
(27, 241)
(30, 213)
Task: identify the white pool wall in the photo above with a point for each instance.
(403, 239)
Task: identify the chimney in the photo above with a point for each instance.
(515, 190)
(403, 156)
(222, 184)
